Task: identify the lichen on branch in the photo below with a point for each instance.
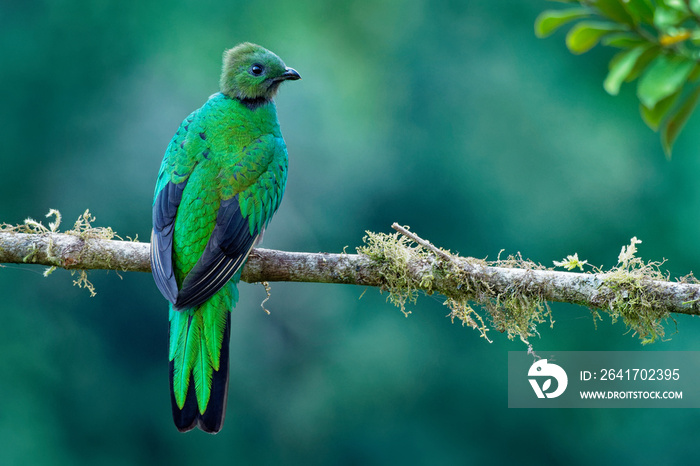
(508, 295)
(410, 264)
(78, 249)
(513, 293)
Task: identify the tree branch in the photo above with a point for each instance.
(515, 295)
(72, 252)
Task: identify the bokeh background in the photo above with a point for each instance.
(448, 116)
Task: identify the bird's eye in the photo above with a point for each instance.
(257, 69)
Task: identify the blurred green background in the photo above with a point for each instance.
(448, 116)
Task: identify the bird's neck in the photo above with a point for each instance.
(257, 102)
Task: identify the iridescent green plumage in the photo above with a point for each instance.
(221, 180)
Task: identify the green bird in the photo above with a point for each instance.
(221, 180)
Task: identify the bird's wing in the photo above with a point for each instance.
(226, 251)
(258, 180)
(164, 210)
(172, 178)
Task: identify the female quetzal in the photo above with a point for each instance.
(221, 180)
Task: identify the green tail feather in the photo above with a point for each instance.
(202, 369)
(184, 333)
(213, 323)
(196, 344)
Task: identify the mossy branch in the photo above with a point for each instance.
(513, 292)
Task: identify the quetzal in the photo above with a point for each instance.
(220, 182)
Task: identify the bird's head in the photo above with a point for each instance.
(252, 73)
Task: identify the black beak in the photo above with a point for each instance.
(290, 74)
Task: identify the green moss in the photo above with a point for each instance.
(633, 298)
(392, 253)
(410, 266)
(30, 257)
(82, 228)
(83, 282)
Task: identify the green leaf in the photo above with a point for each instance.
(621, 66)
(640, 10)
(586, 34)
(665, 75)
(623, 40)
(614, 10)
(551, 20)
(653, 116)
(646, 58)
(665, 17)
(695, 6)
(694, 75)
(675, 123)
(679, 5)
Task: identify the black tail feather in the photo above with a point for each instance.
(212, 420)
(185, 418)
